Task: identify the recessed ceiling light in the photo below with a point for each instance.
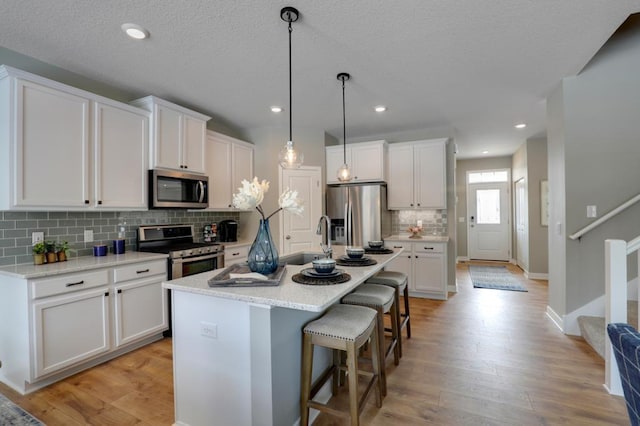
(135, 31)
(380, 108)
(276, 109)
(520, 126)
(485, 152)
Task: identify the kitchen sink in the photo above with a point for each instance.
(301, 258)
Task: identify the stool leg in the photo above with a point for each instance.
(395, 333)
(337, 380)
(406, 310)
(375, 363)
(352, 374)
(305, 386)
(381, 350)
(398, 318)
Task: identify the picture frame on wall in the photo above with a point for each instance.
(544, 203)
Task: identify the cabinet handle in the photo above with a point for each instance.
(229, 205)
(428, 248)
(99, 201)
(235, 254)
(106, 294)
(119, 290)
(72, 284)
(86, 201)
(411, 204)
(142, 271)
(418, 204)
(397, 246)
(409, 257)
(416, 257)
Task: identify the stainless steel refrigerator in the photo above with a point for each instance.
(358, 213)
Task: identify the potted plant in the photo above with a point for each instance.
(62, 247)
(38, 253)
(50, 248)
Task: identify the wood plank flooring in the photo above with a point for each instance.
(484, 357)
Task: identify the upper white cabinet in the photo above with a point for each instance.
(367, 161)
(64, 148)
(178, 135)
(417, 175)
(228, 162)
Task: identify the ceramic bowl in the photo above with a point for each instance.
(324, 266)
(355, 252)
(376, 244)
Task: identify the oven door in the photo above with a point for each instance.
(181, 268)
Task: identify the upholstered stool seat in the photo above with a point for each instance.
(343, 328)
(400, 282)
(382, 299)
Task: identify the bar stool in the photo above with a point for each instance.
(381, 298)
(343, 328)
(400, 282)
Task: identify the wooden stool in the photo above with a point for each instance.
(400, 282)
(343, 328)
(381, 298)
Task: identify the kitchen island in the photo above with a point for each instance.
(236, 351)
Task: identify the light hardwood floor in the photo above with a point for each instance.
(484, 357)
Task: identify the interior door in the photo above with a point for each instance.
(488, 224)
(299, 232)
(521, 219)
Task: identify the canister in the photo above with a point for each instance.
(100, 250)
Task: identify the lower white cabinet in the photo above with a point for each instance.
(236, 254)
(52, 327)
(425, 263)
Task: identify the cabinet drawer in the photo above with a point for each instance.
(233, 253)
(428, 248)
(68, 283)
(398, 244)
(139, 270)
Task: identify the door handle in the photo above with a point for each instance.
(288, 237)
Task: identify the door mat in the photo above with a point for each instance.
(12, 415)
(494, 277)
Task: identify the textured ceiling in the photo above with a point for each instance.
(476, 67)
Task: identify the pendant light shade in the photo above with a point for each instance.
(288, 157)
(344, 174)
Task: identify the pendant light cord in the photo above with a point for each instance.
(344, 126)
(290, 85)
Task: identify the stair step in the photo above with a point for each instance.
(592, 329)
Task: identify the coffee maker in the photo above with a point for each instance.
(228, 231)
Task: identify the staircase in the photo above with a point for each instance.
(593, 329)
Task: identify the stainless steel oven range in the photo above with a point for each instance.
(186, 257)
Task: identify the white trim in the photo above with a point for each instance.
(554, 317)
(537, 276)
(595, 308)
(461, 259)
(453, 288)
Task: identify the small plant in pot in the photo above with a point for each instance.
(62, 248)
(38, 253)
(52, 257)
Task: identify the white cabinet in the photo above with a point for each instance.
(67, 149)
(236, 253)
(366, 160)
(177, 135)
(140, 307)
(228, 162)
(425, 263)
(417, 175)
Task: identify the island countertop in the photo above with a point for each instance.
(289, 294)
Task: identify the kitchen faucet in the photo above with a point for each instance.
(325, 248)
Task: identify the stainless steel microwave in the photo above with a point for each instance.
(177, 190)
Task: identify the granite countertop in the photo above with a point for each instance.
(425, 238)
(289, 294)
(237, 243)
(83, 263)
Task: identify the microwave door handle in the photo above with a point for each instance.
(201, 188)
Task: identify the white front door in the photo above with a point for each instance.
(521, 220)
(299, 232)
(488, 224)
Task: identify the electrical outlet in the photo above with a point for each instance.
(88, 235)
(592, 211)
(209, 330)
(36, 237)
(419, 223)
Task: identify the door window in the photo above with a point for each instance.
(488, 206)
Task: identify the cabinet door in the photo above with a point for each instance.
(69, 329)
(428, 272)
(165, 146)
(193, 141)
(120, 149)
(140, 310)
(430, 176)
(367, 162)
(334, 158)
(218, 168)
(52, 148)
(400, 181)
(242, 165)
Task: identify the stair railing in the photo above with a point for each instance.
(604, 218)
(616, 252)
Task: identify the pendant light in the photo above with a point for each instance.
(344, 174)
(288, 157)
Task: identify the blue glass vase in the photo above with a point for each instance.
(263, 255)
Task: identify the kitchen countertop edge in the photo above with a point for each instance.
(425, 238)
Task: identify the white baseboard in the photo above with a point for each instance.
(536, 276)
(555, 318)
(462, 259)
(453, 288)
(595, 308)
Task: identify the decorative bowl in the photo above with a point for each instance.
(324, 266)
(355, 252)
(376, 244)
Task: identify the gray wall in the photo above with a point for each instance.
(593, 122)
(462, 167)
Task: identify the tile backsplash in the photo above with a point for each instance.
(16, 229)
(434, 222)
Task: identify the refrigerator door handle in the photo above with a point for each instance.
(349, 223)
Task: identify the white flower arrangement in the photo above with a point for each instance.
(251, 194)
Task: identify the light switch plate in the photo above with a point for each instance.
(592, 211)
(36, 237)
(88, 235)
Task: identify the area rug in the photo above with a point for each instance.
(494, 277)
(12, 415)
